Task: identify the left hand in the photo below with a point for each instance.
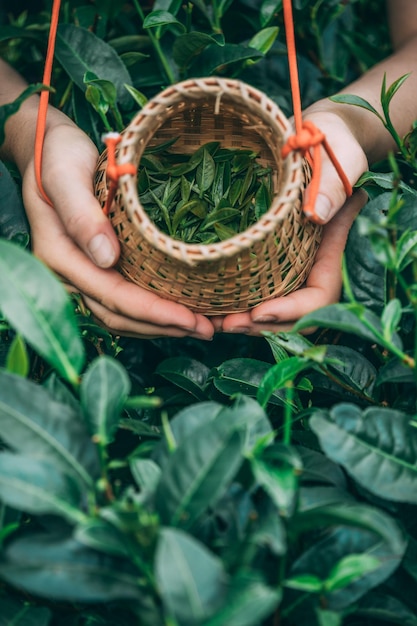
(323, 285)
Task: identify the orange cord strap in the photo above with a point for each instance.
(44, 98)
(308, 138)
(113, 170)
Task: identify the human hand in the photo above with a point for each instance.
(77, 241)
(323, 285)
(341, 134)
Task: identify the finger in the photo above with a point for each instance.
(76, 204)
(106, 287)
(351, 157)
(122, 325)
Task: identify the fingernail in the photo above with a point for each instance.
(265, 319)
(102, 251)
(323, 207)
(239, 329)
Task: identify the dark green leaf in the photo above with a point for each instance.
(38, 307)
(34, 486)
(384, 608)
(377, 447)
(104, 391)
(80, 51)
(185, 372)
(243, 375)
(159, 18)
(350, 318)
(190, 45)
(215, 59)
(35, 424)
(17, 612)
(101, 536)
(354, 515)
(7, 110)
(322, 556)
(277, 470)
(63, 569)
(192, 580)
(248, 601)
(198, 472)
(13, 222)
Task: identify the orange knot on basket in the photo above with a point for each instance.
(309, 137)
(309, 141)
(114, 171)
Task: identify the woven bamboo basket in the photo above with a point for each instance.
(271, 258)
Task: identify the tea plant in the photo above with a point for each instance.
(246, 482)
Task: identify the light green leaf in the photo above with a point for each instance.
(17, 361)
(355, 101)
(279, 375)
(264, 39)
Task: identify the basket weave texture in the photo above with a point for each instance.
(271, 258)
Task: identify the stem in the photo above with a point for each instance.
(157, 47)
(388, 345)
(289, 395)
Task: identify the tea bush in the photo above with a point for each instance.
(244, 482)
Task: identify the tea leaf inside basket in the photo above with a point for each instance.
(206, 196)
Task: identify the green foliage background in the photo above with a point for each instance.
(248, 482)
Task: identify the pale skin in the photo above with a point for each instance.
(77, 241)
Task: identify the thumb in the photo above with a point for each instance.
(68, 182)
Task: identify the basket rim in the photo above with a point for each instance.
(130, 151)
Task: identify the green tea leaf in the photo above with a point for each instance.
(279, 375)
(104, 391)
(17, 361)
(159, 18)
(79, 51)
(348, 318)
(7, 110)
(187, 373)
(18, 612)
(190, 45)
(34, 486)
(205, 172)
(248, 601)
(35, 424)
(391, 317)
(244, 375)
(355, 101)
(61, 568)
(351, 568)
(192, 579)
(264, 39)
(198, 471)
(38, 307)
(377, 447)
